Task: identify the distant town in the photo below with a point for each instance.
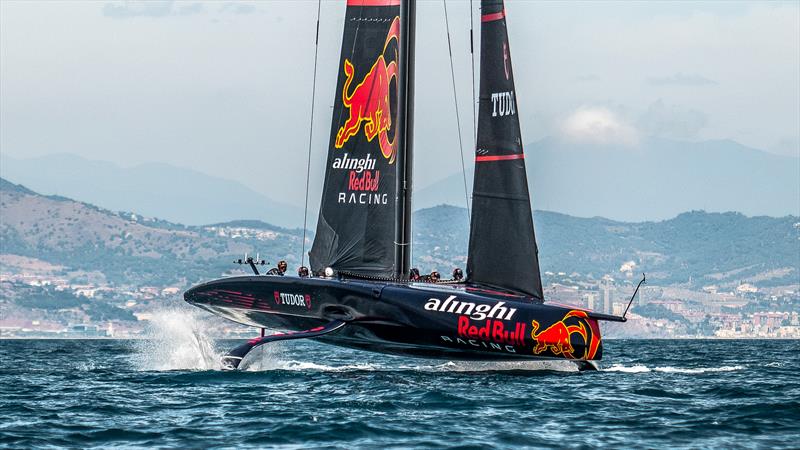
(70, 269)
(671, 312)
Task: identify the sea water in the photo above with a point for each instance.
(169, 391)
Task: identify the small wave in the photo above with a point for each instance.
(699, 369)
(631, 369)
(271, 363)
(500, 366)
(669, 369)
(270, 360)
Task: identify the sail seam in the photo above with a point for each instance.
(500, 196)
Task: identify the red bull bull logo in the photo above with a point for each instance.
(369, 102)
(557, 338)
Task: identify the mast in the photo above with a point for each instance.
(405, 138)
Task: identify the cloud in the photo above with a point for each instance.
(598, 125)
(152, 9)
(671, 121)
(681, 79)
(238, 8)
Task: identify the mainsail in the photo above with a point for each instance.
(356, 226)
(502, 246)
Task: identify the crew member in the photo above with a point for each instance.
(280, 270)
(458, 274)
(302, 272)
(434, 277)
(414, 274)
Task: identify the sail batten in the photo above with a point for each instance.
(502, 245)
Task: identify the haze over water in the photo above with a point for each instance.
(168, 392)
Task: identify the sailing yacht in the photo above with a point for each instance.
(360, 295)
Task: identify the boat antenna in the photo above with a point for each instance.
(455, 103)
(644, 281)
(310, 137)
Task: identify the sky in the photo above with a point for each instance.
(225, 88)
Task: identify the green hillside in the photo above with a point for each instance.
(694, 248)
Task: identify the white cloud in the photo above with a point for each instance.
(598, 125)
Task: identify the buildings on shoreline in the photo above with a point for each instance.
(741, 311)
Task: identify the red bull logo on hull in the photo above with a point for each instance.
(369, 101)
(557, 338)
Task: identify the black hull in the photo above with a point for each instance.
(417, 319)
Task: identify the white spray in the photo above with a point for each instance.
(176, 340)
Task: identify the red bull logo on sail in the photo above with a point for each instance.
(369, 102)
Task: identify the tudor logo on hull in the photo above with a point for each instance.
(298, 300)
(476, 311)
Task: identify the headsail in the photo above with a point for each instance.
(502, 246)
(355, 231)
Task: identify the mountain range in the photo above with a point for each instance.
(123, 248)
(656, 179)
(154, 190)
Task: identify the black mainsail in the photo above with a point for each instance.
(357, 218)
(502, 245)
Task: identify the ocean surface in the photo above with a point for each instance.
(169, 392)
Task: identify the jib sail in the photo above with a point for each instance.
(356, 226)
(502, 246)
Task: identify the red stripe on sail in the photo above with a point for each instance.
(373, 2)
(499, 157)
(493, 16)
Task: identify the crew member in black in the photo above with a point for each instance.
(434, 276)
(302, 272)
(414, 275)
(458, 274)
(280, 270)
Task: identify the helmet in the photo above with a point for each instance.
(435, 276)
(302, 271)
(414, 274)
(457, 274)
(282, 266)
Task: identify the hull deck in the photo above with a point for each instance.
(411, 319)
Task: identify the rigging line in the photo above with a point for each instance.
(472, 55)
(455, 100)
(310, 137)
(341, 112)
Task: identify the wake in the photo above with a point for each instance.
(177, 339)
(669, 369)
